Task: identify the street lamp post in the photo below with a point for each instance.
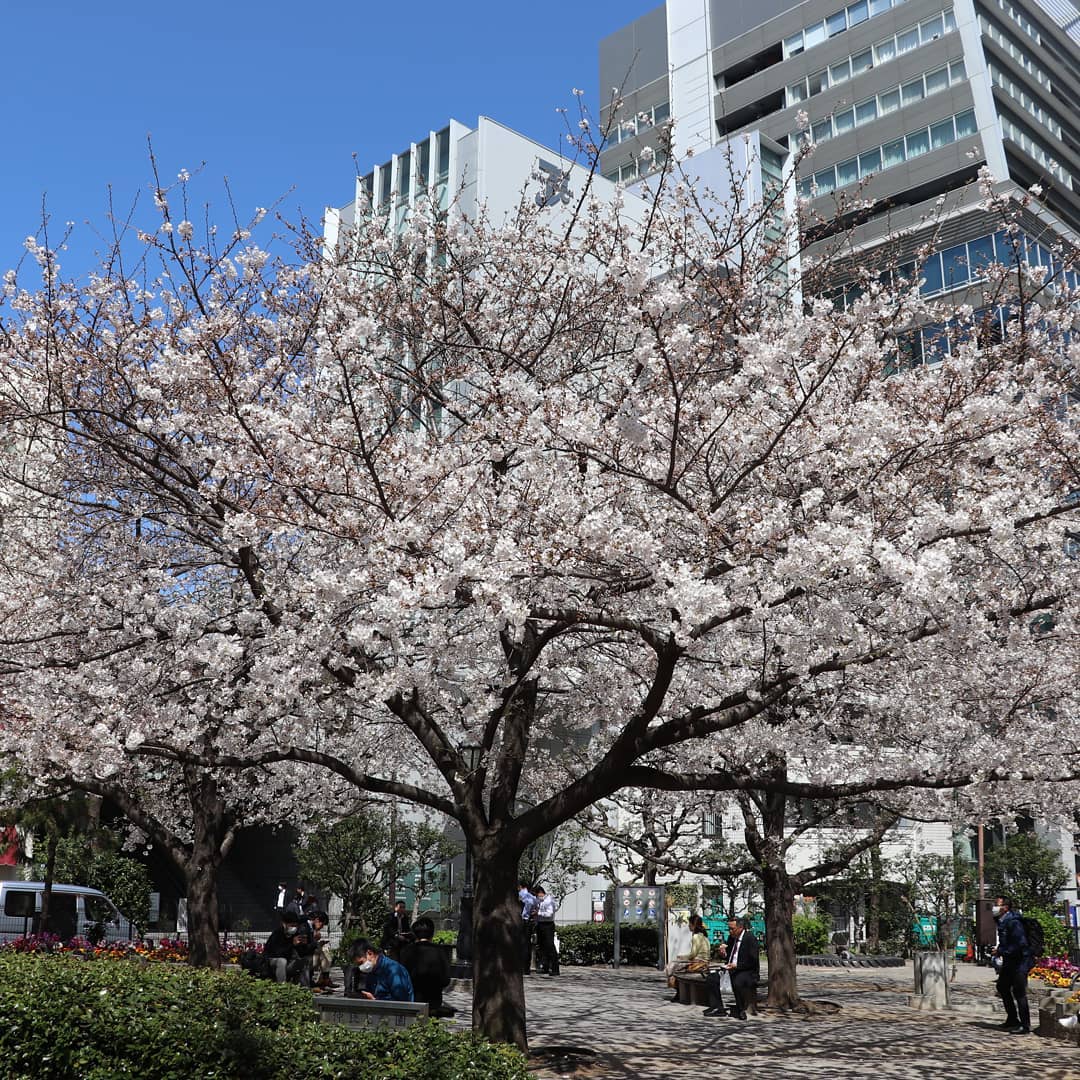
(463, 968)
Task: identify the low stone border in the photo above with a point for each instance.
(854, 962)
(1055, 1007)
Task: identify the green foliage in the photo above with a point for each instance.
(103, 1019)
(124, 880)
(444, 937)
(354, 858)
(812, 934)
(1058, 938)
(555, 860)
(1027, 869)
(682, 896)
(594, 943)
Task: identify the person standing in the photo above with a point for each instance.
(397, 930)
(528, 924)
(1016, 961)
(428, 966)
(547, 956)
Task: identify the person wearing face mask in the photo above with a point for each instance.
(384, 979)
(1016, 961)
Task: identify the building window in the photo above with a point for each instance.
(835, 24)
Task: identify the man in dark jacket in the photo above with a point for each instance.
(288, 950)
(1016, 961)
(396, 930)
(743, 964)
(428, 966)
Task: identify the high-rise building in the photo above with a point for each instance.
(904, 101)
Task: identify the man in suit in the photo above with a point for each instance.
(744, 967)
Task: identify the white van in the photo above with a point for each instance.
(73, 910)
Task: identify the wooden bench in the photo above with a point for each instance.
(362, 1014)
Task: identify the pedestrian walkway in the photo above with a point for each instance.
(626, 1019)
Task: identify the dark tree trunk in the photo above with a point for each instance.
(498, 987)
(873, 905)
(201, 871)
(779, 938)
(50, 872)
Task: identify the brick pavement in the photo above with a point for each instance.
(637, 1033)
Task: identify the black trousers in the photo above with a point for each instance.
(1012, 986)
(743, 987)
(526, 945)
(547, 959)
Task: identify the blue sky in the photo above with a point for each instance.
(276, 96)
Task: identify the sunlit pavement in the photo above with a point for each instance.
(626, 1019)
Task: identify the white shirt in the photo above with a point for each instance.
(734, 957)
(546, 909)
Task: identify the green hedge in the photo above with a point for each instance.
(1058, 938)
(594, 943)
(65, 1017)
(812, 934)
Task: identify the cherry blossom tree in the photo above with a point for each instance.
(551, 505)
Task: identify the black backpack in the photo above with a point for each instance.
(1033, 931)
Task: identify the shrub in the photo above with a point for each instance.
(812, 934)
(594, 943)
(103, 1019)
(1058, 938)
(444, 937)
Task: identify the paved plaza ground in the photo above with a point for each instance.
(627, 1019)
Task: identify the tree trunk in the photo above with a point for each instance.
(873, 908)
(498, 987)
(50, 872)
(780, 938)
(201, 870)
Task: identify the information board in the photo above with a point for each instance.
(640, 905)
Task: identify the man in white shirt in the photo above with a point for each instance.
(528, 924)
(547, 958)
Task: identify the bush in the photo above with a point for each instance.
(594, 943)
(444, 937)
(812, 934)
(1058, 938)
(103, 1019)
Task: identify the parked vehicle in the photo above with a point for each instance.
(74, 911)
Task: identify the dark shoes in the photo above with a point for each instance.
(1007, 1025)
(1019, 1030)
(674, 997)
(713, 1012)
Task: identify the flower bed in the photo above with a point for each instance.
(168, 950)
(1055, 972)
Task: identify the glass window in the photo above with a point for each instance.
(931, 275)
(835, 24)
(98, 909)
(965, 124)
(955, 264)
(844, 121)
(404, 173)
(661, 112)
(794, 44)
(941, 134)
(825, 180)
(878, 7)
(950, 20)
(892, 153)
(931, 29)
(918, 143)
(444, 153)
(806, 187)
(857, 13)
(861, 62)
(796, 92)
(937, 81)
(907, 40)
(847, 172)
(912, 91)
(818, 81)
(20, 903)
(890, 102)
(885, 50)
(866, 111)
(384, 184)
(957, 71)
(814, 35)
(822, 130)
(839, 73)
(870, 162)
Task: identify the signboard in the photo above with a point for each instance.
(640, 905)
(599, 901)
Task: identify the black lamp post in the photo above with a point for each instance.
(463, 968)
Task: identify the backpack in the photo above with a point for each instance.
(1033, 931)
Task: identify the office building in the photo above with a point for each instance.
(904, 102)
